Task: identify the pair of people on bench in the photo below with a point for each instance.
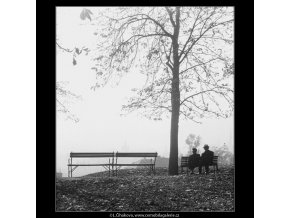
(195, 160)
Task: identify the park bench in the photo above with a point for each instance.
(72, 166)
(184, 163)
(214, 163)
(151, 165)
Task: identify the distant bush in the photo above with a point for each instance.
(160, 162)
(225, 156)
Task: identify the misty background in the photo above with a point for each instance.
(100, 127)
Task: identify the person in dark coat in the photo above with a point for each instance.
(206, 158)
(194, 161)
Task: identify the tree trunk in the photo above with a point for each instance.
(175, 102)
(173, 157)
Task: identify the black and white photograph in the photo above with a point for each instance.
(145, 109)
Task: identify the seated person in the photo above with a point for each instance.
(194, 161)
(206, 158)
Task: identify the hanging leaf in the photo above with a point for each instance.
(74, 61)
(82, 15)
(86, 13)
(89, 11)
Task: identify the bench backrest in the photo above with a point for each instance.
(215, 160)
(89, 155)
(126, 154)
(184, 161)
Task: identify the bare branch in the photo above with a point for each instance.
(65, 49)
(170, 13)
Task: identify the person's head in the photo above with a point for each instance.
(206, 147)
(194, 150)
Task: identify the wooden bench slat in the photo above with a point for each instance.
(86, 154)
(125, 154)
(89, 165)
(133, 164)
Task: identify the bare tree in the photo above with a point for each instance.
(62, 98)
(63, 95)
(189, 141)
(185, 53)
(192, 141)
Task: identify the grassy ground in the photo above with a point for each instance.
(137, 190)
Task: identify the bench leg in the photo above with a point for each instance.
(152, 169)
(71, 175)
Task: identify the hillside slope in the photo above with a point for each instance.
(137, 190)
